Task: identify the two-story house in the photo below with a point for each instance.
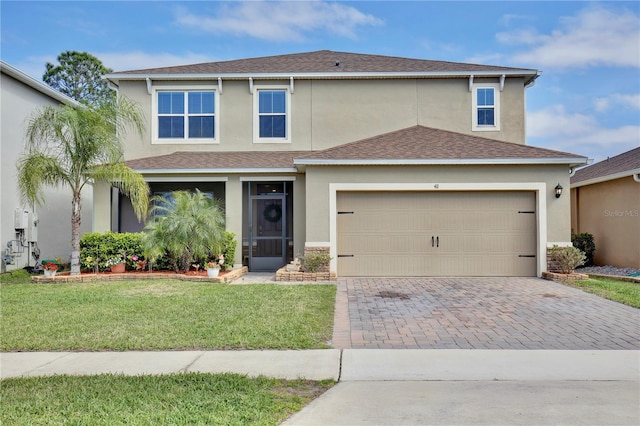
(395, 166)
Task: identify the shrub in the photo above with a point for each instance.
(584, 242)
(315, 262)
(97, 248)
(188, 226)
(567, 259)
(229, 250)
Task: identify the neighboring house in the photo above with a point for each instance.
(395, 166)
(605, 202)
(23, 228)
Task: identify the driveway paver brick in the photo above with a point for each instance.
(478, 313)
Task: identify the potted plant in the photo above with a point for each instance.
(213, 267)
(115, 264)
(50, 269)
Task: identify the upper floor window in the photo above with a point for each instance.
(185, 115)
(272, 122)
(486, 107)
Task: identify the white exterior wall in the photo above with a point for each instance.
(18, 102)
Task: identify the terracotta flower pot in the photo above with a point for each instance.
(117, 269)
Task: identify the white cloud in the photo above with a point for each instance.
(596, 36)
(576, 132)
(280, 21)
(626, 101)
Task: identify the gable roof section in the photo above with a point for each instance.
(416, 145)
(421, 145)
(217, 162)
(323, 64)
(41, 87)
(622, 165)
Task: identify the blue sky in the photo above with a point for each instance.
(587, 100)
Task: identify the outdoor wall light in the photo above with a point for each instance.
(558, 190)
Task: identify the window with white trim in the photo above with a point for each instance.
(185, 115)
(486, 107)
(272, 121)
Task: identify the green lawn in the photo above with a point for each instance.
(164, 315)
(222, 399)
(620, 291)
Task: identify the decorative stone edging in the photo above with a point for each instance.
(617, 277)
(556, 276)
(284, 275)
(226, 278)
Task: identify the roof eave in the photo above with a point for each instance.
(529, 75)
(600, 179)
(573, 161)
(37, 85)
(254, 170)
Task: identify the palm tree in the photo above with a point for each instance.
(189, 226)
(71, 147)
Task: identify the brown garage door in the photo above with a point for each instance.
(436, 234)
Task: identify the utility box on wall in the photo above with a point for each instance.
(21, 219)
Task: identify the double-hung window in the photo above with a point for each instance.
(272, 121)
(186, 115)
(486, 107)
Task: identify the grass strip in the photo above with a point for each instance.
(164, 315)
(612, 289)
(190, 398)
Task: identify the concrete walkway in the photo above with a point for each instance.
(390, 387)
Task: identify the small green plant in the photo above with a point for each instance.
(187, 226)
(567, 259)
(229, 250)
(584, 242)
(315, 262)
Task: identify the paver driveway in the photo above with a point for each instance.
(478, 313)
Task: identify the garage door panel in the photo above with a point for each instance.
(474, 234)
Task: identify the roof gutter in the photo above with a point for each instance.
(148, 172)
(635, 174)
(572, 161)
(530, 75)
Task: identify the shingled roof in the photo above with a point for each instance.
(324, 62)
(416, 145)
(426, 145)
(218, 161)
(622, 165)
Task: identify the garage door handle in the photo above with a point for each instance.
(437, 241)
(432, 241)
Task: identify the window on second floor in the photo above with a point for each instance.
(185, 115)
(272, 121)
(486, 107)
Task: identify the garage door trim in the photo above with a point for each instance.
(540, 189)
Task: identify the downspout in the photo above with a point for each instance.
(113, 87)
(572, 171)
(636, 177)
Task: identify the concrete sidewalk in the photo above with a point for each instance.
(391, 387)
(343, 365)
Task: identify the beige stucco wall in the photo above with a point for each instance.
(319, 177)
(611, 212)
(18, 102)
(234, 200)
(326, 113)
